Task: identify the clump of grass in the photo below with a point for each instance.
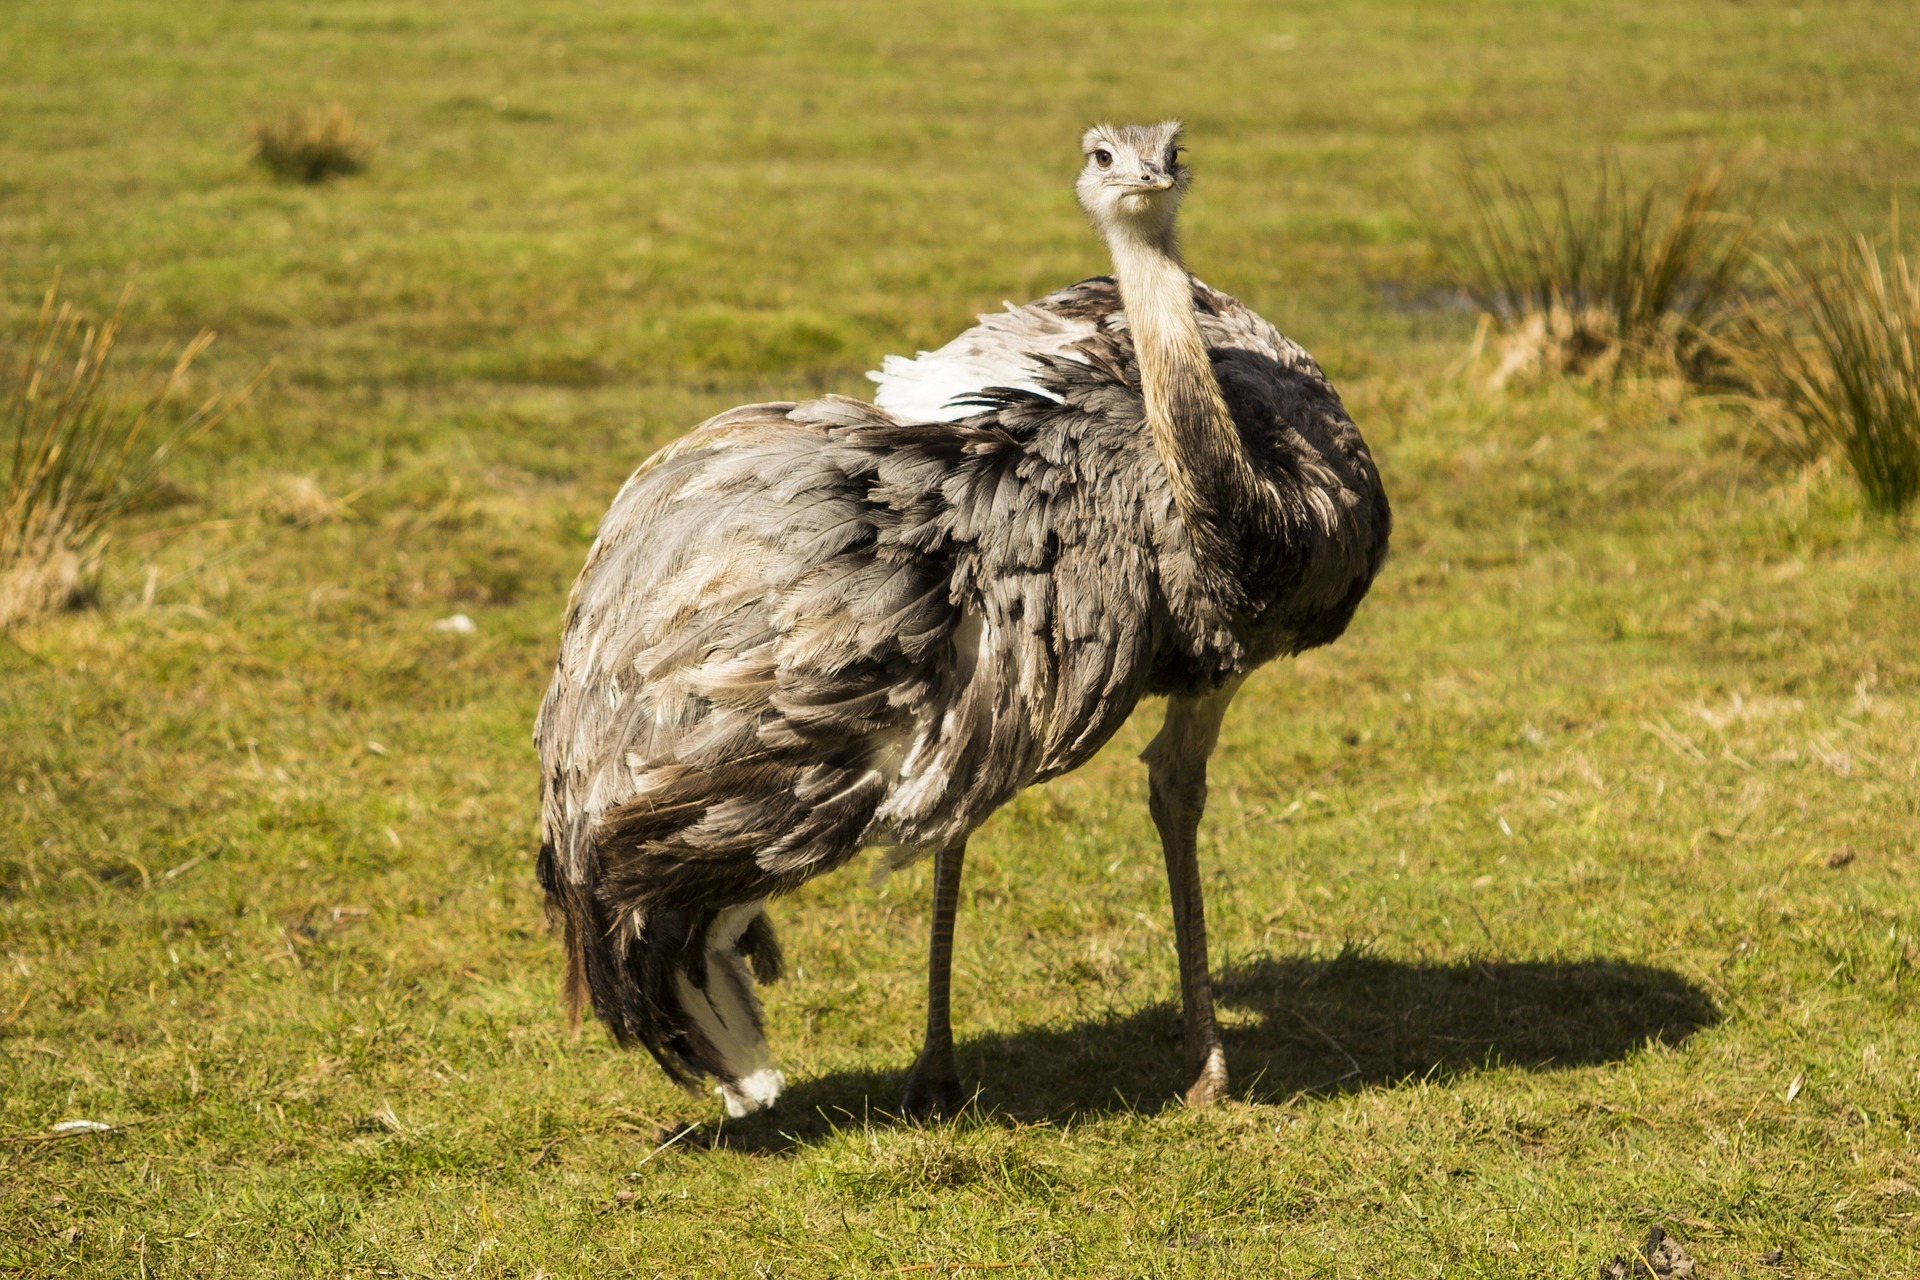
(312, 144)
(80, 451)
(1594, 284)
(1834, 365)
(300, 500)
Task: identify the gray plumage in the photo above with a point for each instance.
(810, 628)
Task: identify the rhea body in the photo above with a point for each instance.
(811, 628)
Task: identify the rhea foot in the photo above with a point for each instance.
(1210, 1084)
(933, 1092)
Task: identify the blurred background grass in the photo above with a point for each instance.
(1570, 892)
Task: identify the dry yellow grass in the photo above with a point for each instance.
(1834, 365)
(81, 448)
(1593, 285)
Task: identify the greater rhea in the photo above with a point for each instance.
(810, 628)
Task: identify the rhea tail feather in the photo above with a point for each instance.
(678, 981)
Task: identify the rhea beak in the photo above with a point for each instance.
(1152, 178)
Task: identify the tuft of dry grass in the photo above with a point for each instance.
(79, 452)
(300, 499)
(1833, 366)
(1590, 285)
(312, 143)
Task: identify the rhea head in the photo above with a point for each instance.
(1133, 179)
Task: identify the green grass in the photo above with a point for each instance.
(1570, 893)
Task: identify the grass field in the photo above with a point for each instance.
(1571, 893)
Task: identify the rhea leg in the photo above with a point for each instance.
(933, 1087)
(1177, 792)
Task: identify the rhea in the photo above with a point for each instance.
(807, 629)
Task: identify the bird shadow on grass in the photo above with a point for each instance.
(1294, 1027)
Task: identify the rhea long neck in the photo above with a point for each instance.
(1193, 430)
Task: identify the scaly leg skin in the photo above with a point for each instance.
(933, 1087)
(1176, 795)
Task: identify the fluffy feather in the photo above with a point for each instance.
(809, 628)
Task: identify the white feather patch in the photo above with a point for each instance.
(756, 1092)
(1000, 351)
(725, 1013)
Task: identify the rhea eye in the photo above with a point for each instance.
(1103, 158)
(1173, 156)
